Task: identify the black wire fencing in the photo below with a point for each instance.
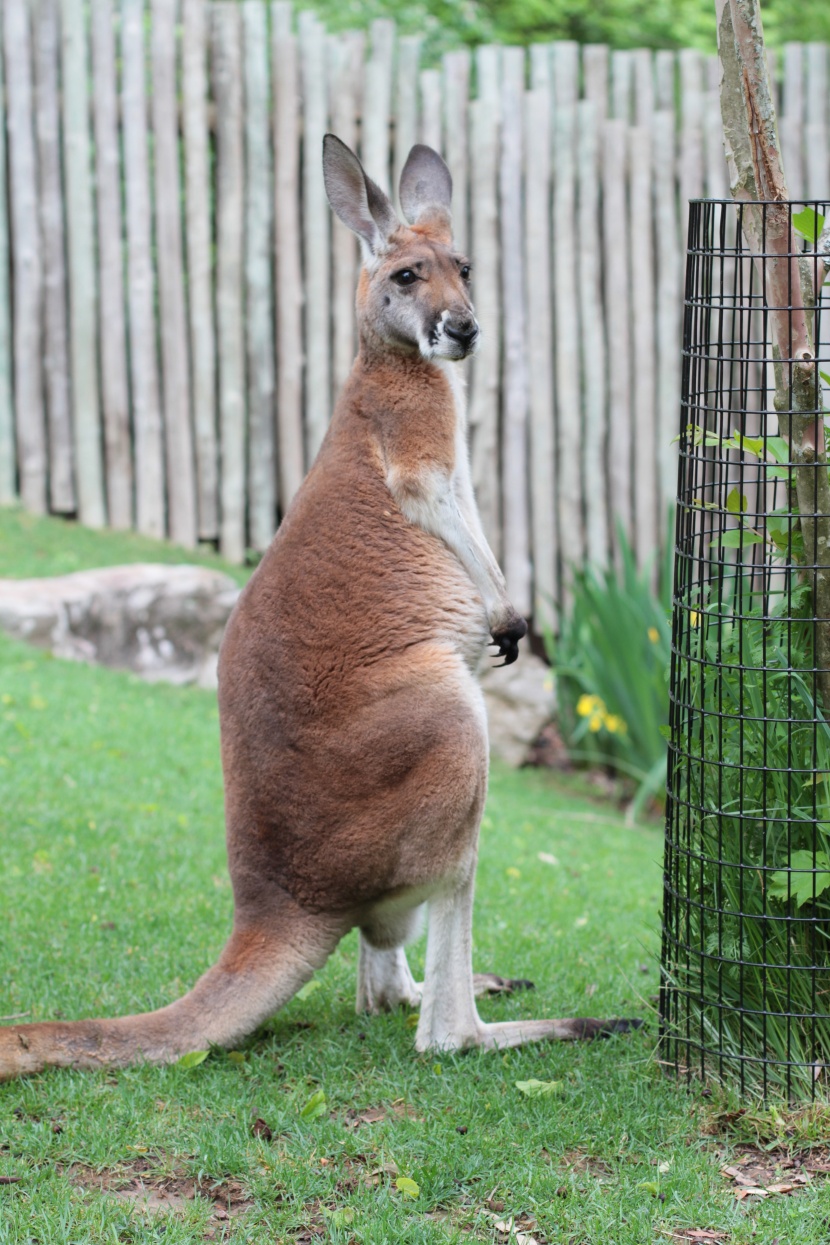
(746, 925)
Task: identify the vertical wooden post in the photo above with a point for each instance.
(668, 302)
(226, 48)
(377, 108)
(147, 431)
(622, 81)
(691, 133)
(175, 361)
(595, 73)
(592, 331)
(664, 81)
(484, 227)
(640, 246)
(643, 62)
(815, 128)
(346, 60)
(617, 321)
(26, 269)
(537, 257)
(406, 105)
(200, 263)
(515, 507)
(83, 316)
(115, 396)
(60, 452)
(456, 74)
(8, 481)
(792, 121)
(316, 234)
(262, 475)
(569, 432)
(431, 129)
(287, 252)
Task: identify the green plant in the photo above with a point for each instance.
(611, 661)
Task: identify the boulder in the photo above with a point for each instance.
(519, 701)
(161, 622)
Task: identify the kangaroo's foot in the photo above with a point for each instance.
(384, 980)
(491, 983)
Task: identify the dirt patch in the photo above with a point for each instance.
(765, 1173)
(376, 1115)
(141, 1185)
(587, 1165)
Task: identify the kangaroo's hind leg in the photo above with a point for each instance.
(384, 979)
(449, 1019)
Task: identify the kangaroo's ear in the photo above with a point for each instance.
(355, 198)
(426, 192)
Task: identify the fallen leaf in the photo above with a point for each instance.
(539, 1089)
(546, 858)
(743, 1192)
(307, 989)
(260, 1129)
(10, 1179)
(192, 1059)
(410, 1188)
(236, 1056)
(315, 1106)
(508, 1228)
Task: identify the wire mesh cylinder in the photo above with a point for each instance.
(746, 922)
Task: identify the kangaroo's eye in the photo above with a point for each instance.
(405, 277)
(465, 272)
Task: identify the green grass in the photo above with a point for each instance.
(114, 898)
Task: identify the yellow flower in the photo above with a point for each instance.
(595, 723)
(588, 705)
(694, 618)
(615, 724)
(653, 634)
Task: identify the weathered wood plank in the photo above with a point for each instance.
(595, 61)
(643, 72)
(60, 451)
(200, 264)
(175, 356)
(115, 395)
(83, 309)
(537, 259)
(717, 181)
(592, 336)
(26, 268)
(791, 122)
(641, 248)
(406, 105)
(617, 321)
(8, 472)
(287, 252)
(377, 111)
(622, 85)
(346, 60)
(515, 507)
(431, 99)
(541, 55)
(817, 155)
(690, 166)
(317, 233)
(456, 74)
(262, 468)
(484, 232)
(664, 80)
(226, 57)
(668, 301)
(144, 383)
(569, 432)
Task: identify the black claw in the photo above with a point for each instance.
(610, 1027)
(507, 641)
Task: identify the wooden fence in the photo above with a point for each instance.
(176, 302)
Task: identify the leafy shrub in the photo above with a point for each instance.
(611, 662)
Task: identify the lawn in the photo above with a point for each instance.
(116, 897)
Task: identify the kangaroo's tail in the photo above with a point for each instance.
(262, 966)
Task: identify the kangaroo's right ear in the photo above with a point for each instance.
(355, 198)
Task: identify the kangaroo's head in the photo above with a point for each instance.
(414, 291)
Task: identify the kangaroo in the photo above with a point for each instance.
(354, 735)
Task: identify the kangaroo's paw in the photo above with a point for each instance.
(384, 981)
(491, 983)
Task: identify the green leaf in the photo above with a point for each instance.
(825, 376)
(665, 731)
(750, 445)
(798, 882)
(339, 1218)
(736, 502)
(192, 1059)
(236, 1056)
(779, 449)
(307, 989)
(315, 1106)
(650, 1186)
(408, 1187)
(539, 1089)
(809, 224)
(737, 538)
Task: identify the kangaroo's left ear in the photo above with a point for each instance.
(426, 193)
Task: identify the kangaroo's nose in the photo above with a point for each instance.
(462, 329)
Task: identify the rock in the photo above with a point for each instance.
(161, 622)
(519, 702)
